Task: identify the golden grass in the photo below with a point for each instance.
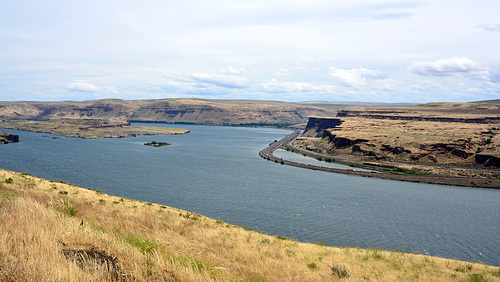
(89, 128)
(55, 231)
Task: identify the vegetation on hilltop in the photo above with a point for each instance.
(55, 231)
(88, 128)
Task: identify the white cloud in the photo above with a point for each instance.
(83, 86)
(354, 77)
(444, 67)
(220, 80)
(490, 27)
(282, 72)
(295, 87)
(233, 71)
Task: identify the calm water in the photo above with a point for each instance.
(215, 171)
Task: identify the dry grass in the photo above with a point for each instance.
(55, 231)
(412, 134)
(89, 128)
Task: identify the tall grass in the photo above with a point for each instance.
(47, 236)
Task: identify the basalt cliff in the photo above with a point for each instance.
(462, 134)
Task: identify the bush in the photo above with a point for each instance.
(340, 271)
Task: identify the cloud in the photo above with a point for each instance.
(445, 67)
(83, 86)
(275, 86)
(233, 71)
(354, 77)
(220, 80)
(490, 27)
(282, 72)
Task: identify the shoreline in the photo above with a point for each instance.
(267, 153)
(90, 129)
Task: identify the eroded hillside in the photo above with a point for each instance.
(464, 134)
(197, 111)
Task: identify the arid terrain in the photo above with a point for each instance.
(56, 231)
(457, 139)
(196, 111)
(88, 128)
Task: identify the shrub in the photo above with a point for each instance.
(145, 245)
(9, 180)
(67, 208)
(340, 270)
(312, 265)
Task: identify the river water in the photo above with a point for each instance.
(216, 172)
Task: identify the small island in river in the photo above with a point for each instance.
(157, 144)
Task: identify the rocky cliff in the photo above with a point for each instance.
(437, 133)
(316, 126)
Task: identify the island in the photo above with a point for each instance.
(6, 138)
(157, 144)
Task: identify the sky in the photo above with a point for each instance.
(405, 51)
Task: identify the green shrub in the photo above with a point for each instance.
(145, 245)
(67, 208)
(312, 265)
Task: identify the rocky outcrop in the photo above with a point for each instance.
(488, 159)
(316, 126)
(396, 150)
(456, 149)
(341, 142)
(8, 137)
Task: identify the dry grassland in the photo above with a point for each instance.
(51, 231)
(414, 135)
(89, 128)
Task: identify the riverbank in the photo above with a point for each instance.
(89, 128)
(267, 153)
(47, 227)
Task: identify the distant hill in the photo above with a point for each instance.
(496, 102)
(196, 111)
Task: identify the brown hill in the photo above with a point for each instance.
(436, 135)
(198, 111)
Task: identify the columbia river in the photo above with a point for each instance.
(217, 172)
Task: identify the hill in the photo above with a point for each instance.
(458, 139)
(56, 231)
(196, 111)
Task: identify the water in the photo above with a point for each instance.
(215, 171)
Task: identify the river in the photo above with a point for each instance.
(216, 172)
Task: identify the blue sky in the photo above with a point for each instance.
(358, 50)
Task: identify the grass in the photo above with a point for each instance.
(89, 128)
(47, 236)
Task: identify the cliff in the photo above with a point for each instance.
(439, 133)
(197, 111)
(317, 125)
